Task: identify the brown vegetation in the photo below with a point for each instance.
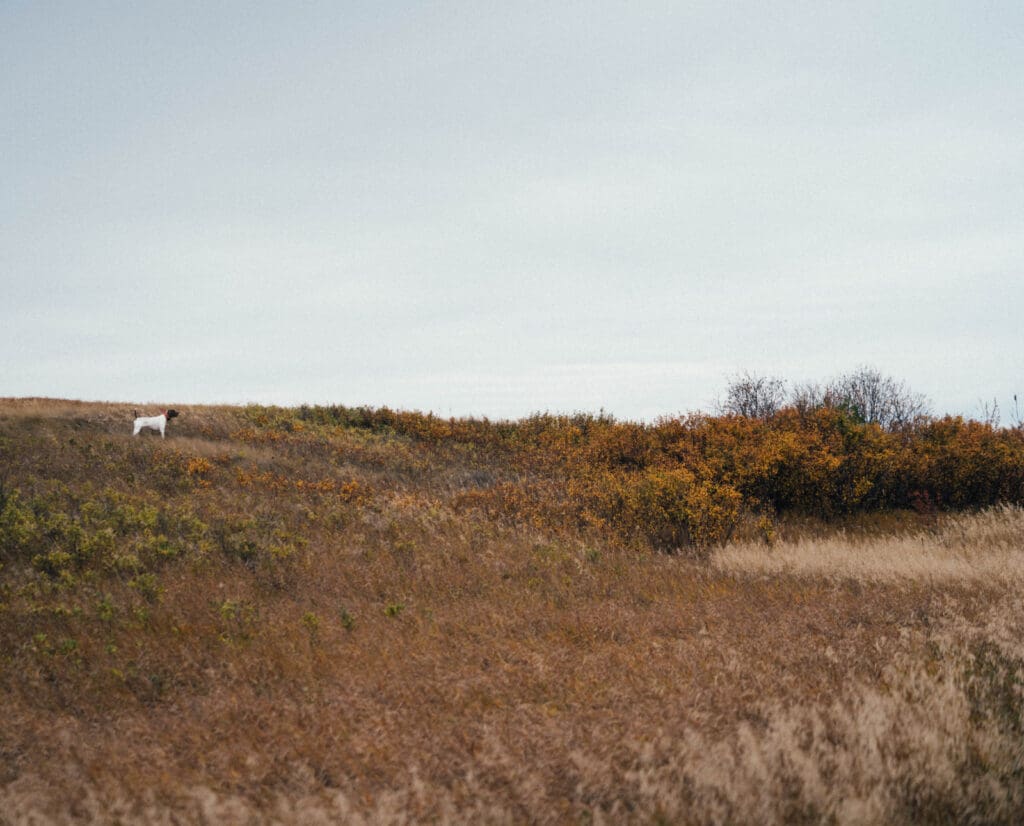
(331, 614)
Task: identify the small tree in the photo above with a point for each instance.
(807, 397)
(989, 413)
(753, 396)
(872, 397)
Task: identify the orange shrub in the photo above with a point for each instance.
(969, 464)
(667, 507)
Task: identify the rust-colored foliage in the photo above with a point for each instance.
(685, 481)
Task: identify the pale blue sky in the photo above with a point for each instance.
(497, 208)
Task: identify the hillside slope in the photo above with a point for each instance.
(283, 615)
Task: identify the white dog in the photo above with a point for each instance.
(154, 422)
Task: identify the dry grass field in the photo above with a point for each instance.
(271, 617)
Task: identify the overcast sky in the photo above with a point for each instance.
(499, 208)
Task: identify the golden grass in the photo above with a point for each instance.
(984, 549)
(320, 657)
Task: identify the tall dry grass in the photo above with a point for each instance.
(301, 624)
(985, 549)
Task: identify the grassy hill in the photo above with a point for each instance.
(284, 615)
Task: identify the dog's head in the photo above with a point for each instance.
(171, 414)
